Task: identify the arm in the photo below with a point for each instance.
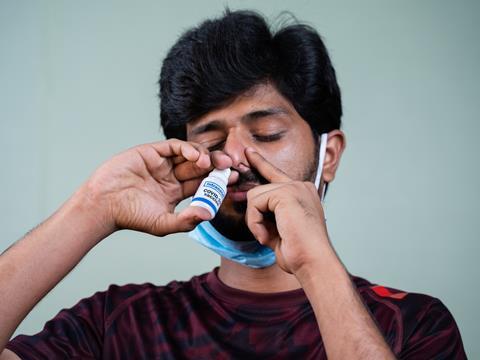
(33, 266)
(302, 247)
(348, 330)
(137, 189)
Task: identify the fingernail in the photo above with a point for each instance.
(250, 149)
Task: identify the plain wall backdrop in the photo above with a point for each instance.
(78, 84)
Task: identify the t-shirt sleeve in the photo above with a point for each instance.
(435, 336)
(74, 333)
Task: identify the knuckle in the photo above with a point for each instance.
(173, 141)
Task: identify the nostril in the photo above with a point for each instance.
(242, 168)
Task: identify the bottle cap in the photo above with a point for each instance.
(221, 174)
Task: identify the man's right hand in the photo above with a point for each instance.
(140, 188)
(137, 189)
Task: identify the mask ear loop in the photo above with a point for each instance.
(321, 160)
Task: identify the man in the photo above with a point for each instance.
(267, 106)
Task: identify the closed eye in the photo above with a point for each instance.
(269, 138)
(260, 138)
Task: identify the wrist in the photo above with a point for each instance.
(322, 269)
(89, 213)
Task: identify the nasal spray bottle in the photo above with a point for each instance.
(212, 191)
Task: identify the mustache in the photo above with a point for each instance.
(251, 176)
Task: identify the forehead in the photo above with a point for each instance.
(262, 99)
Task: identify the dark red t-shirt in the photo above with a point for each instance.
(205, 319)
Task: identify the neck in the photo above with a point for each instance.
(267, 280)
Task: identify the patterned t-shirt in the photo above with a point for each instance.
(205, 319)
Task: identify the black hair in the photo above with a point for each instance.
(210, 65)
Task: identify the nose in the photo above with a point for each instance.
(234, 147)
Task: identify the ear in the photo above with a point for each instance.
(336, 143)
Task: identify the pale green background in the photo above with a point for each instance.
(78, 84)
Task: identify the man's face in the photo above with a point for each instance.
(267, 122)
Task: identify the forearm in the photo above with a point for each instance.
(36, 263)
(347, 328)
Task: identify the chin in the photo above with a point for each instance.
(230, 221)
(234, 210)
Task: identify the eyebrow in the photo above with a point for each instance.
(217, 124)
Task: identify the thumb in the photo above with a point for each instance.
(183, 221)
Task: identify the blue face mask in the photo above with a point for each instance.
(248, 253)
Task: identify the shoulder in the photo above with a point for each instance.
(375, 294)
(411, 321)
(403, 305)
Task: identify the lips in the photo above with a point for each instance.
(239, 193)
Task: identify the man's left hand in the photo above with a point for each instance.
(287, 216)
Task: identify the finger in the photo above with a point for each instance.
(218, 160)
(262, 225)
(175, 147)
(254, 220)
(260, 189)
(221, 160)
(203, 160)
(185, 220)
(265, 168)
(186, 170)
(190, 170)
(154, 163)
(190, 187)
(233, 178)
(191, 216)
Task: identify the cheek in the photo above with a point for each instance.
(293, 158)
